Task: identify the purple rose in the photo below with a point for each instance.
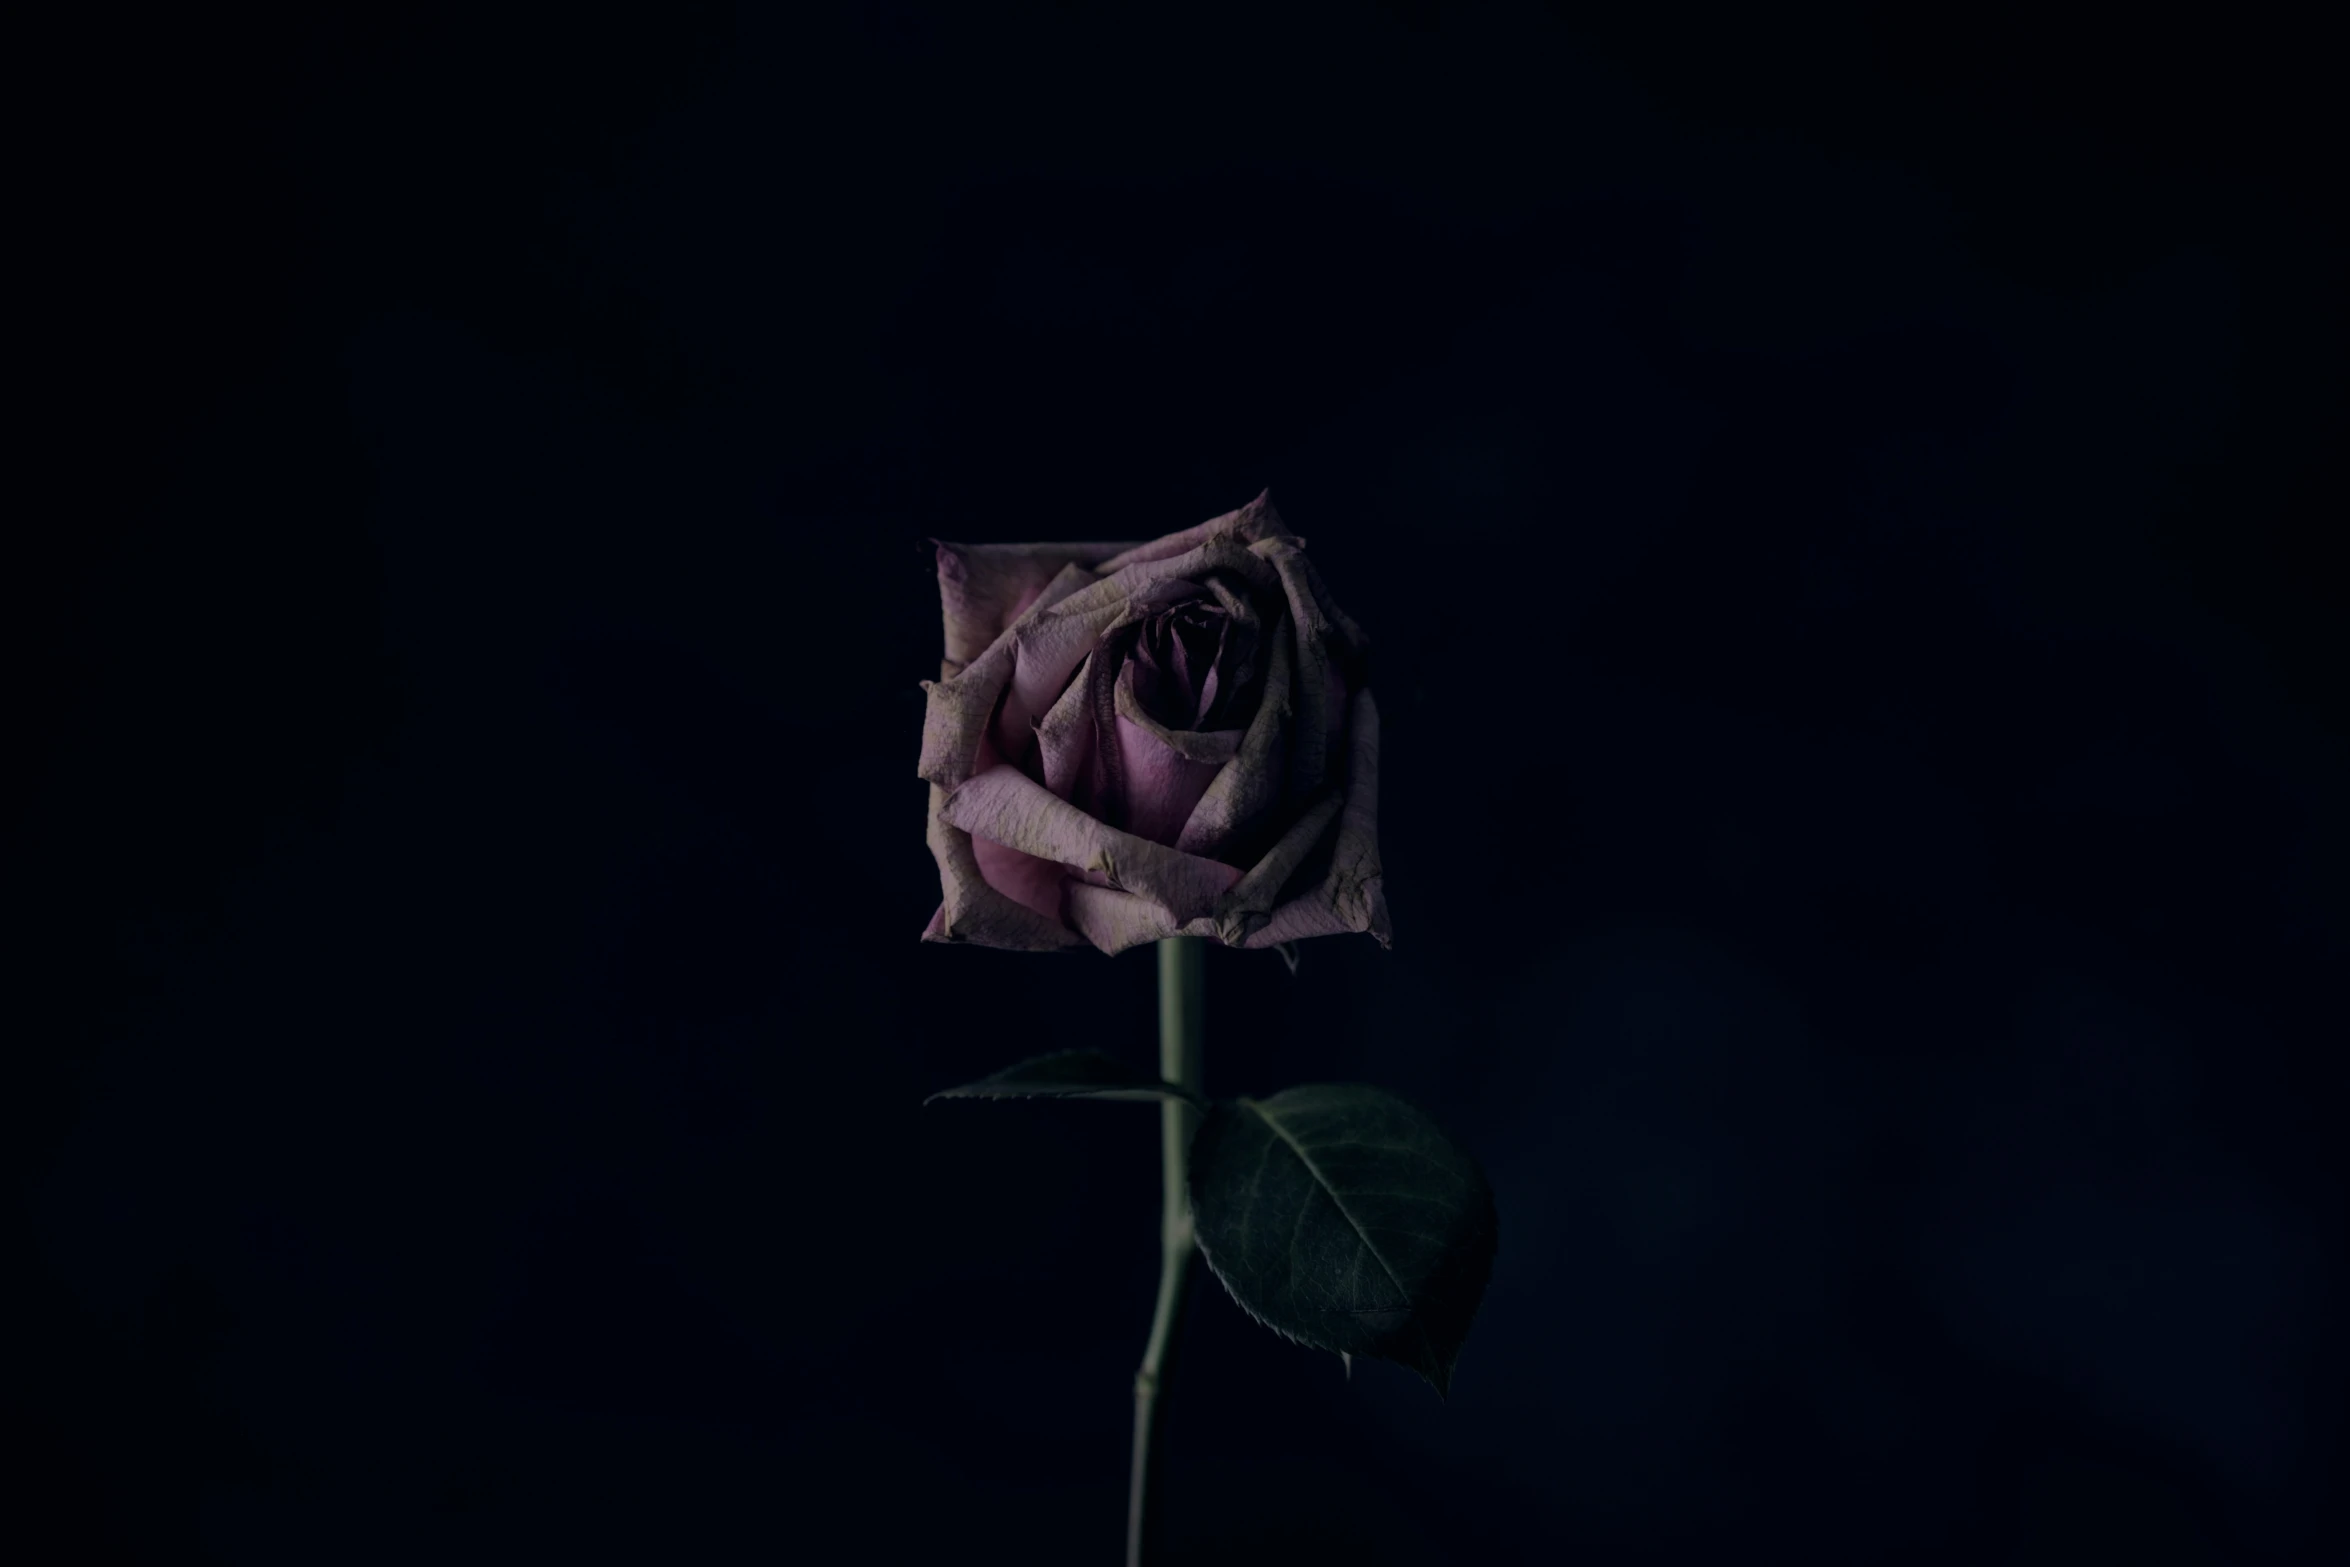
(1133, 741)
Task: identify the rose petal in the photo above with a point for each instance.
(1299, 919)
(1162, 785)
(1249, 905)
(1191, 567)
(1350, 896)
(1011, 808)
(1320, 692)
(1165, 770)
(1026, 880)
(955, 721)
(975, 911)
(1049, 646)
(1064, 736)
(1050, 642)
(1249, 785)
(1211, 747)
(1257, 520)
(955, 717)
(1101, 793)
(1173, 664)
(983, 588)
(1227, 696)
(1114, 921)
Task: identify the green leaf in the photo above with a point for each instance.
(1071, 1074)
(1341, 1217)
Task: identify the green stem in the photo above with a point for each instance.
(1182, 1006)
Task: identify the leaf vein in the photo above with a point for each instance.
(1315, 1170)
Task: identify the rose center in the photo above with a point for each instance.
(1181, 660)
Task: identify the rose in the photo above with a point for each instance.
(1170, 742)
(1135, 741)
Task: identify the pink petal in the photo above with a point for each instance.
(1162, 785)
(975, 911)
(1249, 905)
(1351, 896)
(1219, 553)
(1318, 690)
(1250, 785)
(1114, 921)
(1064, 736)
(955, 717)
(1025, 879)
(983, 588)
(1256, 520)
(955, 722)
(1011, 808)
(1052, 641)
(1165, 771)
(1048, 648)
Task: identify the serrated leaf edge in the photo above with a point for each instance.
(1250, 1311)
(1441, 1383)
(1411, 1308)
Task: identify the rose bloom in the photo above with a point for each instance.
(1134, 741)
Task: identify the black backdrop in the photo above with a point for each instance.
(1837, 507)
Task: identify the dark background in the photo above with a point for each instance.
(1838, 507)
